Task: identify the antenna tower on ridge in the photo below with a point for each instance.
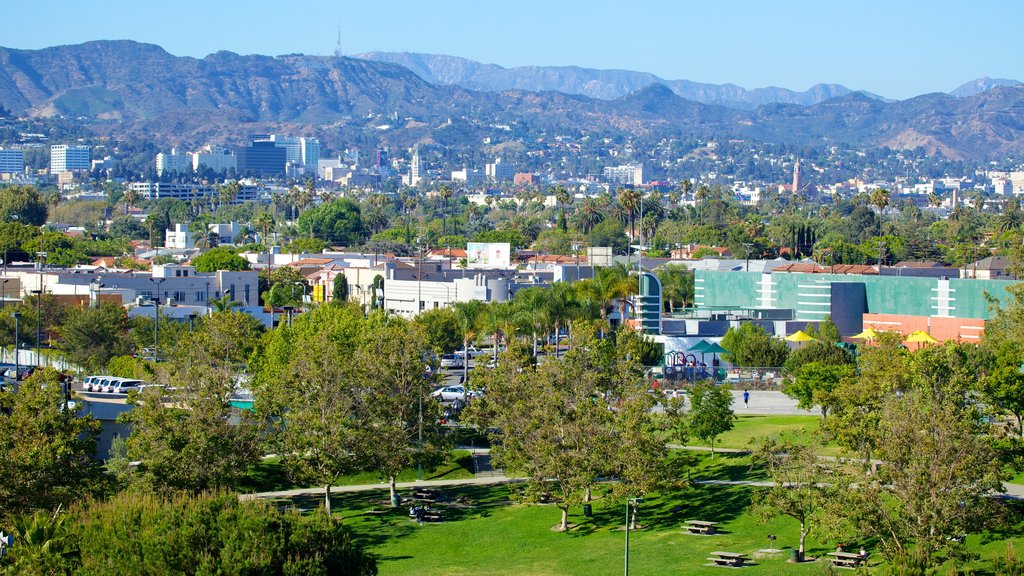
(337, 47)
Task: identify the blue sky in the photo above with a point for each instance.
(894, 48)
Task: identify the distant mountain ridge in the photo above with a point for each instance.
(602, 84)
(982, 85)
(133, 90)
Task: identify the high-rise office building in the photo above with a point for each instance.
(12, 161)
(626, 174)
(68, 158)
(262, 158)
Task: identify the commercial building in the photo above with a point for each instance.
(262, 158)
(180, 238)
(12, 161)
(499, 171)
(68, 158)
(188, 192)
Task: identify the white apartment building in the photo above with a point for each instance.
(173, 162)
(179, 239)
(216, 158)
(12, 161)
(472, 177)
(187, 192)
(68, 158)
(625, 174)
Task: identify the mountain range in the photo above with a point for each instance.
(130, 89)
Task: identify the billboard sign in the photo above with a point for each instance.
(488, 255)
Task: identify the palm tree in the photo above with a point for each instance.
(630, 200)
(702, 194)
(224, 303)
(880, 198)
(43, 540)
(129, 199)
(468, 314)
(588, 215)
(265, 222)
(444, 193)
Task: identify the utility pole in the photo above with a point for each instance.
(17, 363)
(746, 251)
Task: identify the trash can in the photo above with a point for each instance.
(795, 556)
(588, 511)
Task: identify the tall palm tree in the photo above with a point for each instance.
(444, 193)
(630, 200)
(469, 316)
(588, 215)
(880, 198)
(129, 199)
(264, 221)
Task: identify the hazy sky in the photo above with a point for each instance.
(894, 48)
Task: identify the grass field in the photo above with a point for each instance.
(493, 535)
(748, 430)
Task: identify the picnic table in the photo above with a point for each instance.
(701, 527)
(849, 560)
(734, 559)
(427, 495)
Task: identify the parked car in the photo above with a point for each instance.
(126, 385)
(91, 383)
(453, 393)
(473, 352)
(451, 361)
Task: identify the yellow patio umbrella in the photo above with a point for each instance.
(921, 337)
(867, 334)
(800, 336)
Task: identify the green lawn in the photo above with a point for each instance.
(494, 535)
(748, 429)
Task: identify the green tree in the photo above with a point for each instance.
(676, 285)
(751, 345)
(936, 482)
(303, 381)
(336, 222)
(442, 328)
(47, 449)
(815, 383)
(340, 291)
(210, 534)
(22, 203)
(393, 407)
(188, 436)
(710, 412)
(220, 258)
(801, 485)
(90, 337)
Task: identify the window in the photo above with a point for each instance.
(199, 296)
(179, 296)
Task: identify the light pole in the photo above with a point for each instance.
(39, 314)
(97, 287)
(634, 502)
(156, 318)
(3, 302)
(576, 246)
(17, 366)
(746, 252)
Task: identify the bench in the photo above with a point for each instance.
(733, 559)
(848, 560)
(701, 527)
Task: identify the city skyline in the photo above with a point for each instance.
(894, 50)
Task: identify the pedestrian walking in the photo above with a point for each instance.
(746, 398)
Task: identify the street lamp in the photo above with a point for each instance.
(3, 302)
(634, 502)
(17, 367)
(303, 286)
(156, 318)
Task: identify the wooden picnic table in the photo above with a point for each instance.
(849, 560)
(734, 559)
(701, 527)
